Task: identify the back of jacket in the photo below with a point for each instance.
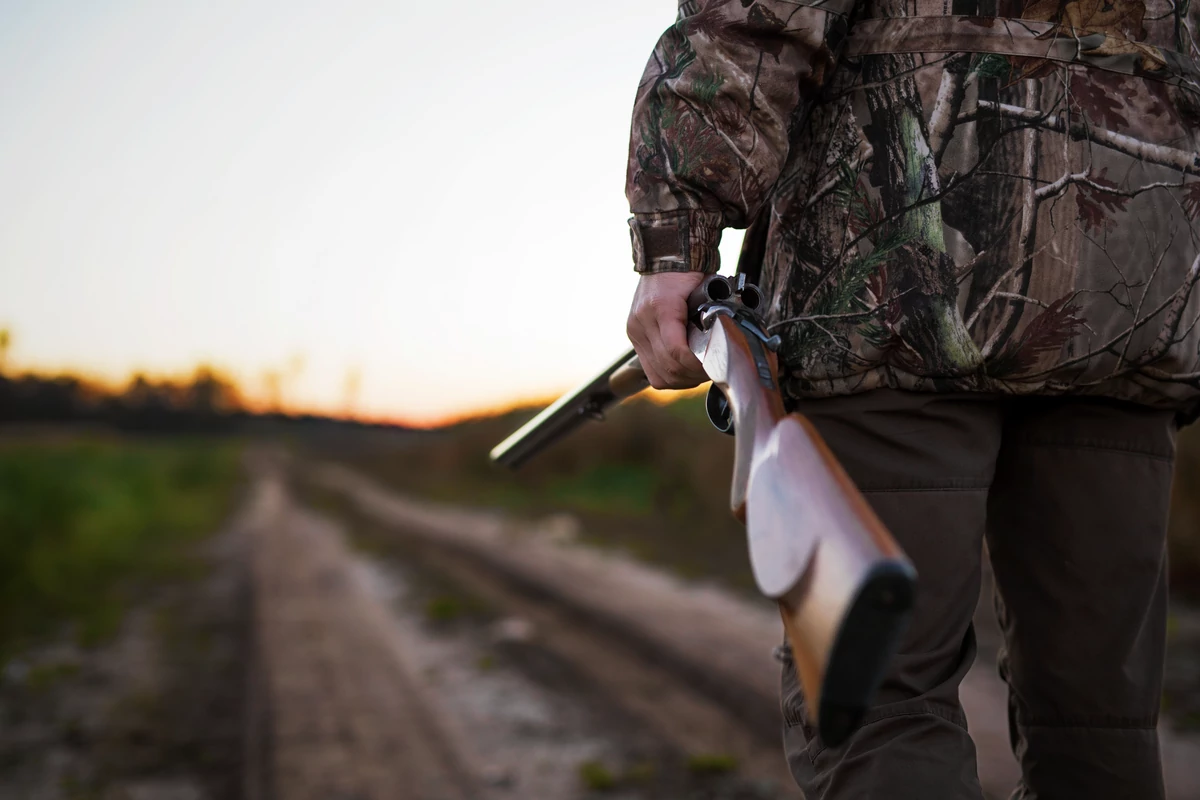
(980, 195)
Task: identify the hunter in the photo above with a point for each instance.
(975, 223)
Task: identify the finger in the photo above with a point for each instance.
(636, 332)
(675, 357)
(666, 362)
(666, 327)
(638, 337)
(655, 378)
(652, 365)
(684, 365)
(657, 357)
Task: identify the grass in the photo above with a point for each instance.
(711, 764)
(641, 773)
(84, 522)
(596, 777)
(43, 677)
(443, 608)
(606, 489)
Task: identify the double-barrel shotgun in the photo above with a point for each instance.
(844, 588)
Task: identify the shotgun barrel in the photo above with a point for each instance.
(568, 412)
(618, 381)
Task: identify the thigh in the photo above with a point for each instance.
(924, 463)
(1076, 533)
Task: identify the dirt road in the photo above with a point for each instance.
(357, 694)
(589, 672)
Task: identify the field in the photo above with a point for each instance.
(86, 523)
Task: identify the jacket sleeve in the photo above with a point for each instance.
(710, 121)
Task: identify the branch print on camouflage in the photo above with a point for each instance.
(1002, 199)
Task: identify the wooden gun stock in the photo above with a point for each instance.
(843, 586)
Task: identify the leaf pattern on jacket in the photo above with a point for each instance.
(1120, 23)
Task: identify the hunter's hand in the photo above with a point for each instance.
(657, 327)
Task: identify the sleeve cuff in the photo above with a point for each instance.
(676, 241)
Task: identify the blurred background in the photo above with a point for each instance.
(274, 278)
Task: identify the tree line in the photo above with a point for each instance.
(205, 401)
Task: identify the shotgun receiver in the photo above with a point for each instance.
(843, 586)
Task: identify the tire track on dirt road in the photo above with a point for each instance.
(340, 715)
(659, 696)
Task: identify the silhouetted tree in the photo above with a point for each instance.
(5, 343)
(211, 393)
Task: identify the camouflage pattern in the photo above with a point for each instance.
(955, 195)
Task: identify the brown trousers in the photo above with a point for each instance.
(1072, 497)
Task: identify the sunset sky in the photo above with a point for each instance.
(428, 195)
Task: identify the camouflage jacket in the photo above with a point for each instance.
(942, 195)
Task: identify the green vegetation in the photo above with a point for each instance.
(445, 600)
(596, 776)
(45, 676)
(642, 772)
(85, 522)
(605, 489)
(443, 608)
(711, 764)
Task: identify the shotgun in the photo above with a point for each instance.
(844, 588)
